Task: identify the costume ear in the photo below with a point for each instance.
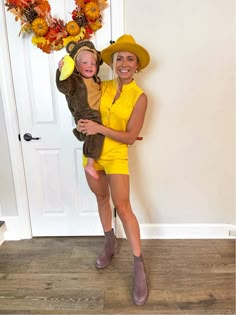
(70, 46)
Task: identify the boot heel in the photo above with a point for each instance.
(140, 290)
(110, 249)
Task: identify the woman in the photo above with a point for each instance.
(123, 107)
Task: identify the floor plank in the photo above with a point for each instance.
(58, 276)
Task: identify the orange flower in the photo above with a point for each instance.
(95, 26)
(45, 48)
(42, 8)
(51, 35)
(18, 3)
(102, 4)
(14, 2)
(80, 3)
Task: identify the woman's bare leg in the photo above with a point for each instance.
(101, 190)
(119, 185)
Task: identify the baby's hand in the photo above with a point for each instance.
(60, 64)
(66, 66)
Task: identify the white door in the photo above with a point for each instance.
(59, 199)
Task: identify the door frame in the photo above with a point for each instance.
(22, 222)
(20, 226)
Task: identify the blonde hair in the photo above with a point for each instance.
(83, 52)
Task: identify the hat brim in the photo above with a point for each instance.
(139, 51)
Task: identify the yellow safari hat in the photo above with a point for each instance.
(126, 43)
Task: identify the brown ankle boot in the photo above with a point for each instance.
(110, 249)
(140, 289)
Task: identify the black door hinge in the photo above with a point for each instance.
(19, 137)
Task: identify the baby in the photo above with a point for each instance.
(81, 87)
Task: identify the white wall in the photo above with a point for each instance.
(183, 171)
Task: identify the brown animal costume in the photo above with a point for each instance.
(76, 95)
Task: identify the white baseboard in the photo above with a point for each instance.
(2, 231)
(187, 231)
(1, 238)
(11, 228)
(182, 231)
(12, 231)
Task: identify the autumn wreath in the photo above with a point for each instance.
(50, 33)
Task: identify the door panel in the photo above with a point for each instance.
(60, 201)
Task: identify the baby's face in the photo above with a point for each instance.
(86, 64)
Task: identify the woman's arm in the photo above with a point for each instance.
(134, 126)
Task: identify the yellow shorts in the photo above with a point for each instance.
(110, 166)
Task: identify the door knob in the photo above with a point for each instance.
(28, 137)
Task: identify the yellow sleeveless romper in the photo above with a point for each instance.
(114, 156)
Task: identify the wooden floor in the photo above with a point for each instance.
(58, 276)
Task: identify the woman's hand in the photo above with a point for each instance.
(88, 127)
